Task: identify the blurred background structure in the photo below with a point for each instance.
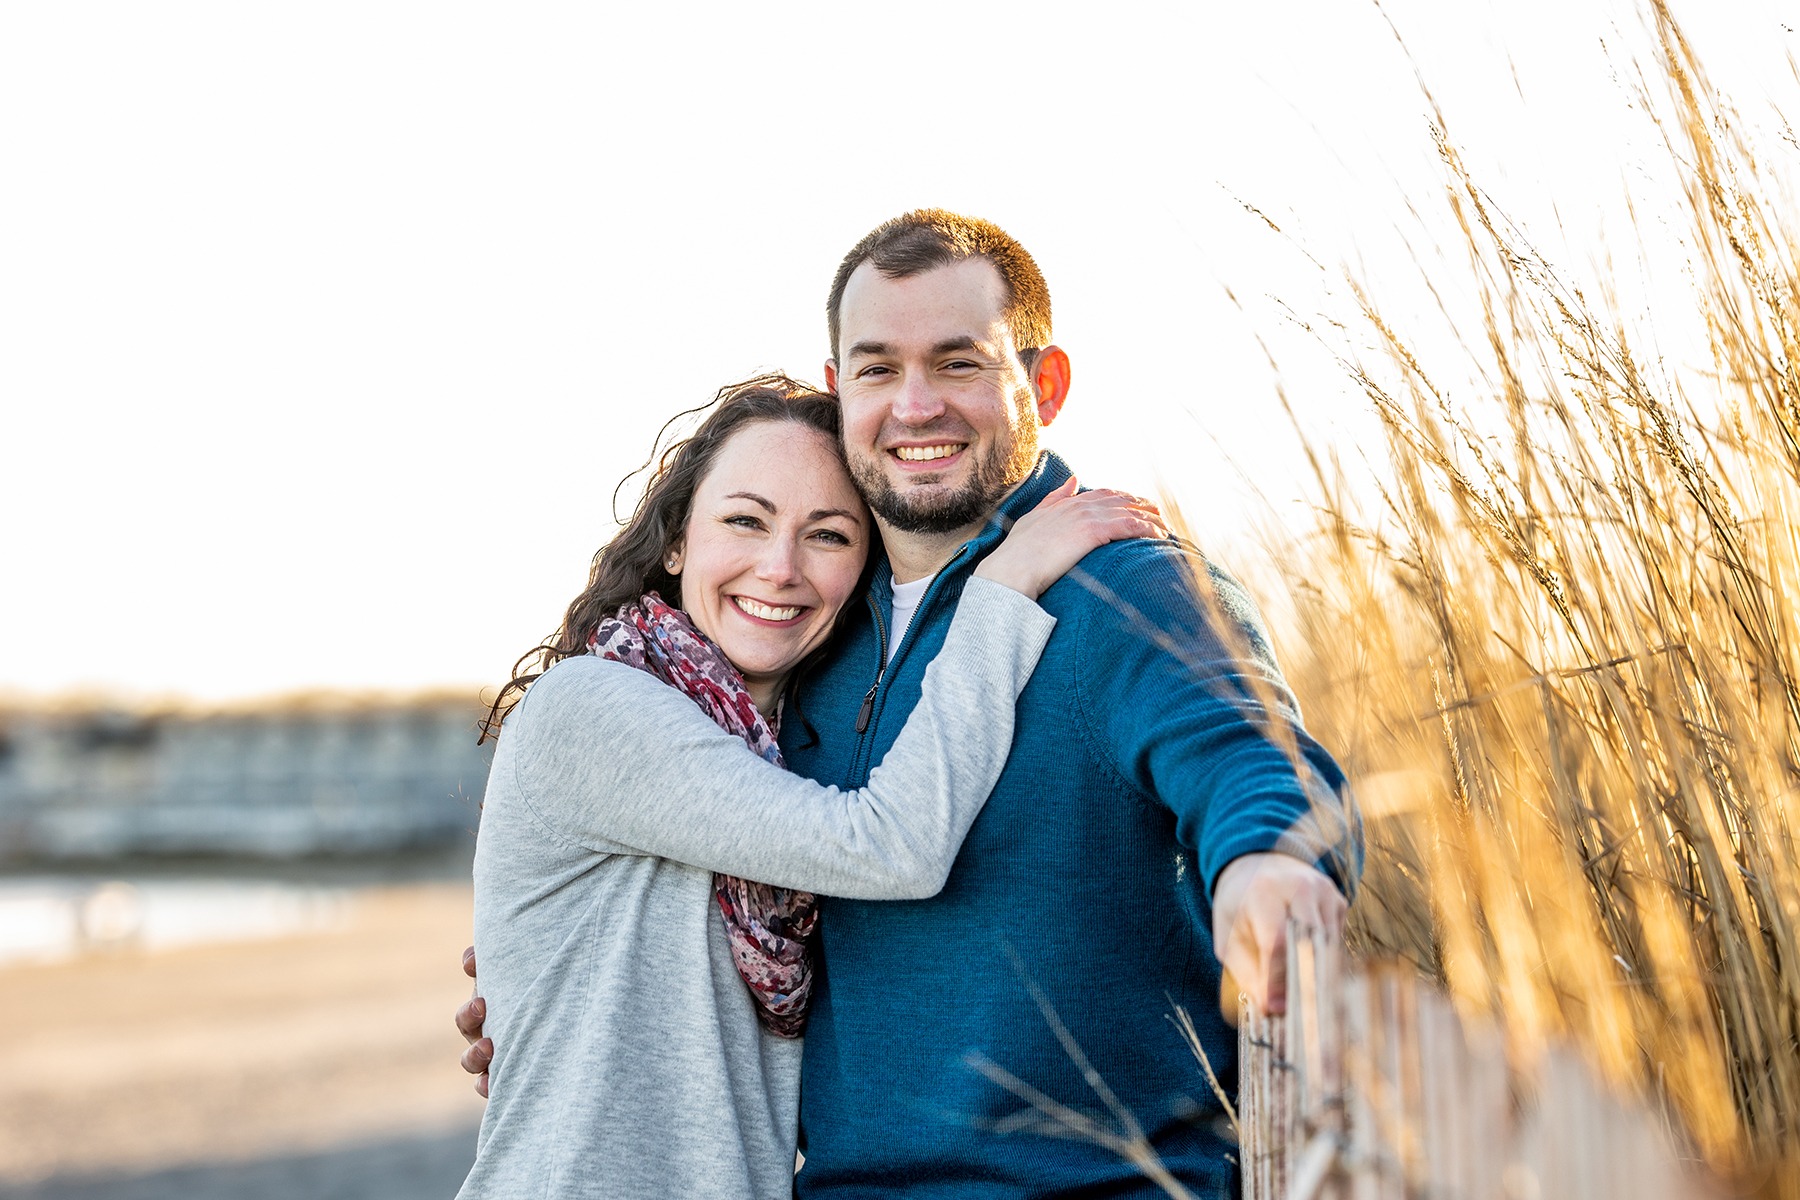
(326, 777)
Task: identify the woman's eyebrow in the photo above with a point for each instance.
(819, 514)
(753, 498)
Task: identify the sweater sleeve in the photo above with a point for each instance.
(1179, 692)
(610, 757)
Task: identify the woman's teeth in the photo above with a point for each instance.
(764, 611)
(926, 453)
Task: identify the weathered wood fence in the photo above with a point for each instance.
(1372, 1088)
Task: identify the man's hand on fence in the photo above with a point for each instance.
(469, 1020)
(1252, 901)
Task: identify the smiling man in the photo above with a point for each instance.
(935, 396)
(1162, 808)
(1160, 794)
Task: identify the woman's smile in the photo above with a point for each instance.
(768, 614)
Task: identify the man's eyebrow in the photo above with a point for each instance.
(947, 346)
(753, 498)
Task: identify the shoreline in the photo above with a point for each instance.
(330, 1042)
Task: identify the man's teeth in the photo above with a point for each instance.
(765, 612)
(926, 453)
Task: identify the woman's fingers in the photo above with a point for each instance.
(1118, 515)
(1062, 492)
(1061, 529)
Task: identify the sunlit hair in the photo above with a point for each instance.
(928, 238)
(634, 561)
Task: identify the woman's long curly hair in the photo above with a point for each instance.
(633, 562)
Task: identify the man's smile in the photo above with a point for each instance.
(929, 453)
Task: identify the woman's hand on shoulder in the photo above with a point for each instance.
(1044, 543)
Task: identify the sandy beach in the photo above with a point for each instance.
(319, 1065)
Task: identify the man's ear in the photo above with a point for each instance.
(831, 375)
(1050, 375)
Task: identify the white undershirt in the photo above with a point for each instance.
(906, 603)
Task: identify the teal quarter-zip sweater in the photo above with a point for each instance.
(1151, 748)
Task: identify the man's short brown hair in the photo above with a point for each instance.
(927, 238)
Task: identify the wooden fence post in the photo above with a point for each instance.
(1371, 1087)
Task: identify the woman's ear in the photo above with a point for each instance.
(672, 558)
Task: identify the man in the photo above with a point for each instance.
(1160, 797)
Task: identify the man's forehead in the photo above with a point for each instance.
(968, 295)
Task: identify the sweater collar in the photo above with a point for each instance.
(1050, 473)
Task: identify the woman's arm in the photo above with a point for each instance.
(612, 758)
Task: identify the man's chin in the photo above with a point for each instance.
(930, 510)
(935, 502)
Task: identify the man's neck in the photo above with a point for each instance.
(919, 555)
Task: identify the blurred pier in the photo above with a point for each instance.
(340, 776)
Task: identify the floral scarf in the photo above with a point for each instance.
(769, 928)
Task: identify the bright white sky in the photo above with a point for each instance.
(326, 330)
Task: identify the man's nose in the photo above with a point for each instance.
(917, 401)
(779, 564)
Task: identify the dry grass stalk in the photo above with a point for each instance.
(1573, 637)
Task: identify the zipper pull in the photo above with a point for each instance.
(868, 707)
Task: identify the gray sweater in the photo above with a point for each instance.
(628, 1061)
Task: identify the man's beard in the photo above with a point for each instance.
(995, 474)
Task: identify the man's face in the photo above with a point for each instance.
(940, 415)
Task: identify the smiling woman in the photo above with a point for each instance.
(646, 556)
(774, 547)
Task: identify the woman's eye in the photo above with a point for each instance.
(833, 537)
(744, 522)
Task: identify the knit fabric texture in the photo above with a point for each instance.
(1152, 746)
(628, 1061)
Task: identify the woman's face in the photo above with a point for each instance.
(773, 549)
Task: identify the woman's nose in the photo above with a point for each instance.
(779, 564)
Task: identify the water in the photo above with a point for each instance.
(53, 918)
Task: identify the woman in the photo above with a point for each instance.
(645, 1012)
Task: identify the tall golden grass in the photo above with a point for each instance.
(1561, 654)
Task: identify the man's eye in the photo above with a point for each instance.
(961, 364)
(866, 372)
